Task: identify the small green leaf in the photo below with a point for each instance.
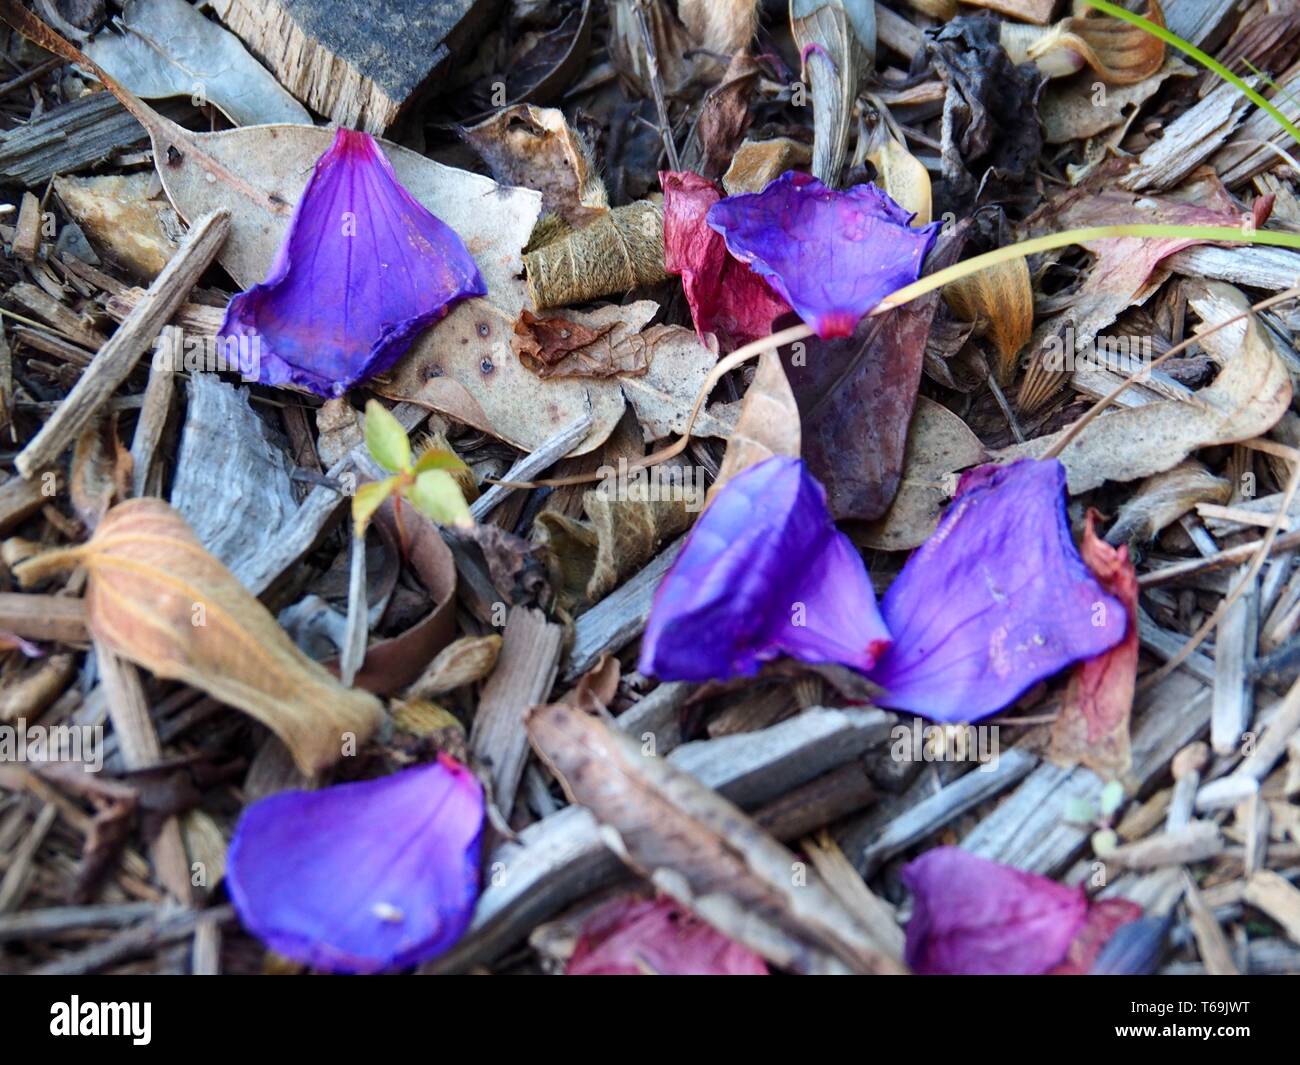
(436, 495)
(436, 458)
(386, 438)
(1104, 842)
(1080, 812)
(1112, 798)
(369, 498)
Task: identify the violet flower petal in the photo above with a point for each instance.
(996, 600)
(832, 254)
(364, 877)
(363, 270)
(763, 573)
(973, 917)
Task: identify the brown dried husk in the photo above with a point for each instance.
(158, 599)
(618, 252)
(1002, 300)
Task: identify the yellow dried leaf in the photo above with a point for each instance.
(903, 176)
(158, 599)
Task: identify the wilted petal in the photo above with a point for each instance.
(1105, 918)
(1092, 726)
(362, 877)
(631, 936)
(974, 917)
(996, 599)
(725, 296)
(832, 254)
(362, 271)
(763, 573)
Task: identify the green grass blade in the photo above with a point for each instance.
(1081, 236)
(1208, 61)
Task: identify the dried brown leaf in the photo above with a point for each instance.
(465, 661)
(606, 342)
(158, 599)
(938, 445)
(1163, 499)
(903, 176)
(534, 147)
(1246, 400)
(768, 424)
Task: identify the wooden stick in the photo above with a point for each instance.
(119, 355)
(138, 739)
(524, 673)
(43, 617)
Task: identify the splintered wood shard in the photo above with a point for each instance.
(358, 64)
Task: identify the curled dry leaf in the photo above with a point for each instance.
(613, 254)
(699, 849)
(768, 424)
(1001, 301)
(1246, 400)
(902, 175)
(1092, 727)
(625, 530)
(939, 444)
(606, 342)
(725, 115)
(534, 147)
(1117, 51)
(1163, 499)
(466, 661)
(158, 599)
(722, 26)
(101, 471)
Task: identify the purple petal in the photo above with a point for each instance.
(763, 573)
(362, 271)
(997, 599)
(973, 917)
(364, 877)
(832, 254)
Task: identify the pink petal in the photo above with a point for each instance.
(631, 936)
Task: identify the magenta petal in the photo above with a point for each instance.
(832, 254)
(973, 917)
(763, 573)
(635, 937)
(725, 296)
(362, 271)
(364, 877)
(996, 600)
